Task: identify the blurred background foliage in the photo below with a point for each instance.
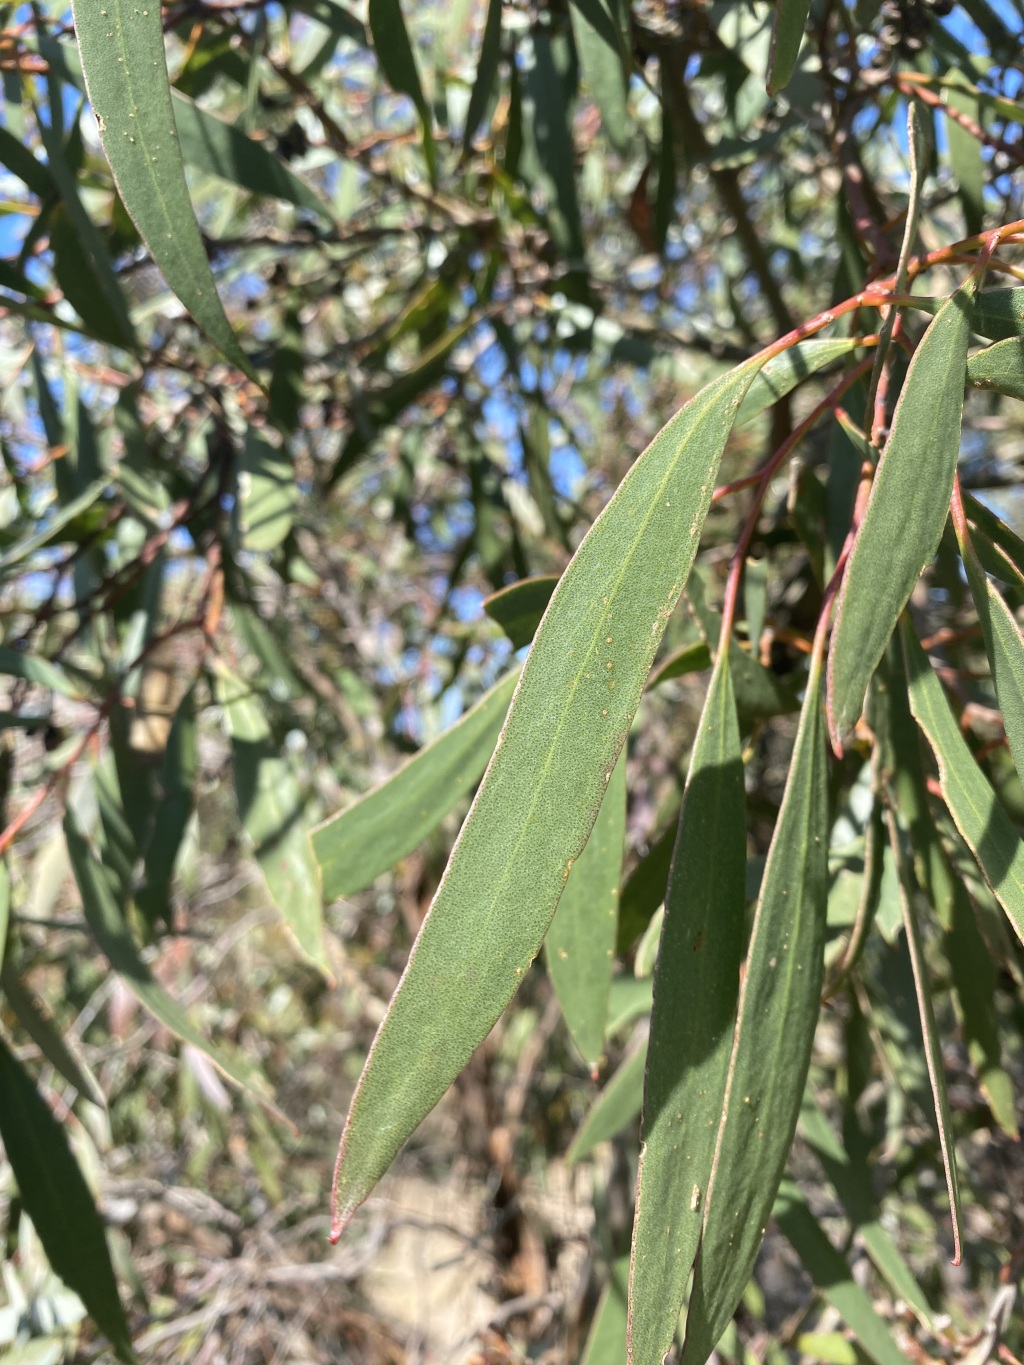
(477, 269)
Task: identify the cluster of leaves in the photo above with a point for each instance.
(258, 529)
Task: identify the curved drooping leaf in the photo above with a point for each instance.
(222, 149)
(519, 607)
(398, 62)
(1005, 648)
(40, 1027)
(619, 1103)
(110, 928)
(853, 1184)
(787, 35)
(57, 1199)
(695, 988)
(834, 1278)
(998, 313)
(367, 838)
(902, 856)
(686, 659)
(606, 1340)
(110, 310)
(580, 944)
(539, 798)
(487, 69)
(122, 49)
(785, 371)
(999, 367)
(267, 494)
(548, 160)
(272, 808)
(602, 49)
(759, 693)
(906, 510)
(978, 813)
(776, 1017)
(996, 530)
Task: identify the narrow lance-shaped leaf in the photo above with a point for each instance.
(519, 607)
(834, 1278)
(122, 49)
(1004, 645)
(486, 71)
(998, 313)
(978, 813)
(906, 510)
(999, 367)
(853, 1184)
(601, 51)
(539, 798)
(606, 1340)
(40, 1027)
(617, 1105)
(57, 1199)
(111, 931)
(398, 62)
(273, 813)
(367, 838)
(785, 371)
(771, 1051)
(580, 945)
(929, 1029)
(695, 987)
(787, 35)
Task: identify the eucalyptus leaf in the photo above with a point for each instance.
(57, 1199)
(534, 810)
(776, 1018)
(695, 989)
(122, 50)
(906, 511)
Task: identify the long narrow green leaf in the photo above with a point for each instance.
(899, 839)
(52, 528)
(998, 313)
(606, 1340)
(88, 239)
(273, 813)
(534, 810)
(177, 783)
(111, 930)
(978, 813)
(58, 1201)
(906, 511)
(486, 71)
(695, 989)
(833, 1277)
(999, 367)
(222, 149)
(1005, 648)
(997, 531)
(784, 372)
(787, 35)
(605, 73)
(617, 1105)
(398, 62)
(519, 607)
(580, 945)
(355, 846)
(853, 1184)
(122, 49)
(44, 1033)
(776, 1018)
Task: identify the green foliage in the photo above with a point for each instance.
(403, 407)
